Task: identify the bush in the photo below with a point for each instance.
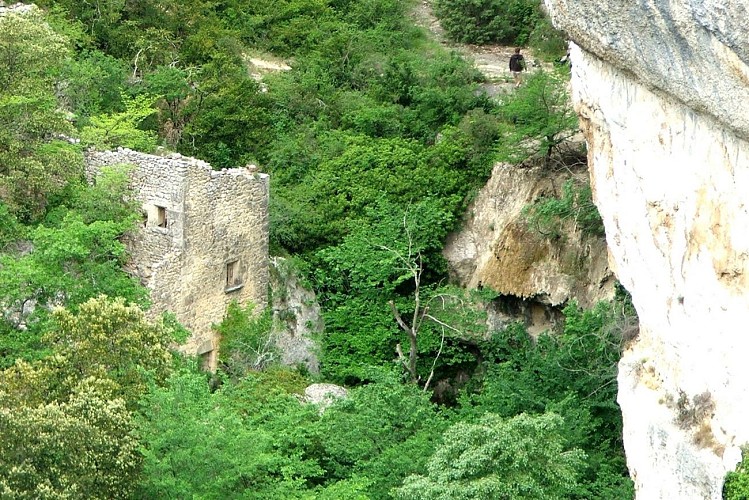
(524, 457)
(548, 215)
(538, 118)
(548, 42)
(736, 486)
(246, 340)
(572, 374)
(488, 21)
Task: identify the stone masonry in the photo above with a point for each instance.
(203, 241)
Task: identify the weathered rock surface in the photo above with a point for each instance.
(695, 51)
(497, 248)
(16, 8)
(663, 92)
(324, 395)
(297, 317)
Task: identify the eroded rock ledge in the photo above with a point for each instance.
(663, 92)
(497, 248)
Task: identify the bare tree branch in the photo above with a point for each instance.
(434, 362)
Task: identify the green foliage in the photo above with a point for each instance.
(76, 256)
(33, 171)
(237, 457)
(106, 340)
(93, 85)
(112, 340)
(257, 387)
(256, 441)
(550, 215)
(11, 230)
(108, 198)
(574, 375)
(736, 486)
(372, 255)
(381, 432)
(121, 128)
(488, 21)
(523, 457)
(247, 341)
(369, 268)
(548, 42)
(232, 126)
(98, 20)
(334, 198)
(358, 337)
(66, 418)
(174, 87)
(351, 489)
(33, 168)
(70, 263)
(84, 446)
(538, 117)
(30, 53)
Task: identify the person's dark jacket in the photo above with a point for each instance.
(517, 63)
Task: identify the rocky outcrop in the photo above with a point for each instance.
(16, 8)
(662, 88)
(324, 395)
(297, 318)
(496, 247)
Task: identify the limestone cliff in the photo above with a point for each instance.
(496, 247)
(662, 88)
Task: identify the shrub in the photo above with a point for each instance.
(548, 215)
(538, 119)
(548, 42)
(246, 340)
(736, 486)
(488, 21)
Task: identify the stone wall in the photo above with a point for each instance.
(662, 88)
(203, 240)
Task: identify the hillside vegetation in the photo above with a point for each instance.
(375, 140)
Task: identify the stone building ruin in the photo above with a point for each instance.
(203, 242)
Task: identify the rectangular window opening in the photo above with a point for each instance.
(233, 277)
(161, 216)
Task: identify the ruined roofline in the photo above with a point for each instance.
(175, 160)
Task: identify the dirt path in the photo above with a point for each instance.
(491, 60)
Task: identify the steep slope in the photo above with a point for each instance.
(663, 92)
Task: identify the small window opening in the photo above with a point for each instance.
(233, 278)
(206, 361)
(161, 216)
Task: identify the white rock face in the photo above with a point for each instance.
(696, 51)
(663, 93)
(297, 318)
(496, 247)
(324, 395)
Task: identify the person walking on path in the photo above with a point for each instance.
(517, 65)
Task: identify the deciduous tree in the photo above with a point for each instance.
(521, 458)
